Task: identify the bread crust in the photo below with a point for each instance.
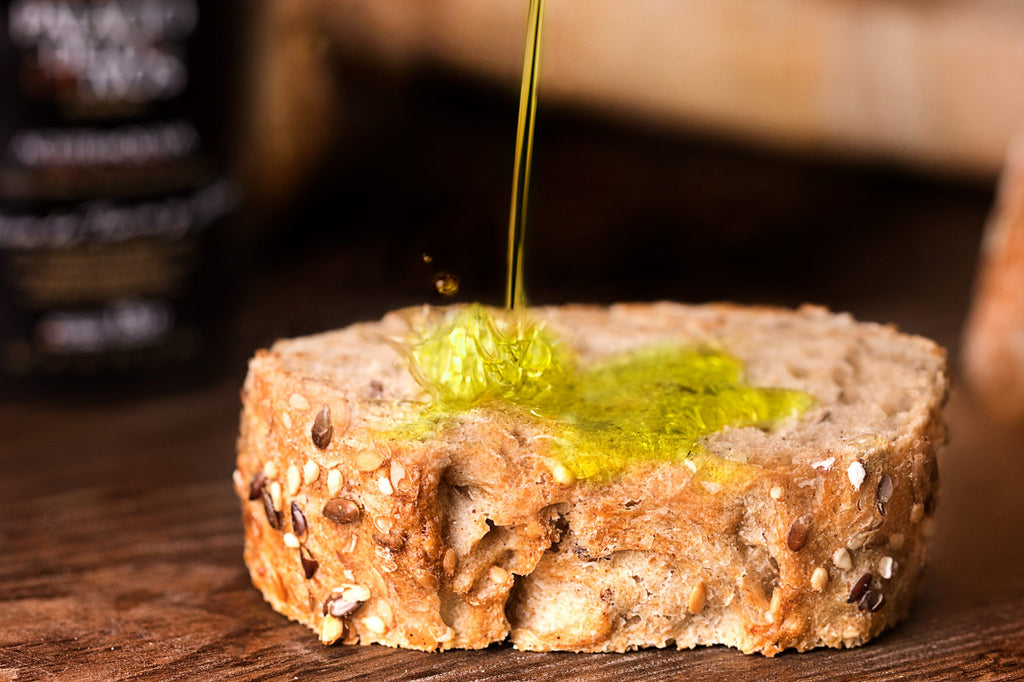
(472, 535)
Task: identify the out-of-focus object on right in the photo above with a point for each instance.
(930, 85)
(993, 352)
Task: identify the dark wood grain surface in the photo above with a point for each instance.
(120, 536)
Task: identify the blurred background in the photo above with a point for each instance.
(845, 153)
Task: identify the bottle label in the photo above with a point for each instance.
(111, 175)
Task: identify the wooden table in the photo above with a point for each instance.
(121, 539)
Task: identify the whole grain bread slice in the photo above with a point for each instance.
(473, 534)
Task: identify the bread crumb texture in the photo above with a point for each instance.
(471, 534)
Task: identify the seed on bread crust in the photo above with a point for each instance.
(698, 597)
(375, 625)
(448, 563)
(498, 575)
(298, 401)
(916, 513)
(268, 507)
(322, 429)
(819, 579)
(341, 510)
(368, 460)
(331, 629)
(841, 558)
(359, 593)
(856, 474)
(276, 497)
(859, 588)
(334, 481)
(310, 472)
(798, 534)
(871, 601)
(886, 567)
(337, 606)
(309, 564)
(259, 480)
(883, 493)
(270, 469)
(291, 541)
(298, 520)
(294, 480)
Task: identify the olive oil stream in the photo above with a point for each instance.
(514, 296)
(601, 419)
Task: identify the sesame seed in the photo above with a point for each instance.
(330, 629)
(294, 480)
(297, 401)
(383, 524)
(238, 479)
(777, 492)
(375, 625)
(916, 513)
(841, 558)
(270, 469)
(886, 567)
(286, 419)
(896, 541)
(819, 579)
(275, 496)
(428, 581)
(384, 486)
(334, 481)
(498, 575)
(448, 563)
(291, 541)
(776, 601)
(368, 460)
(397, 474)
(856, 474)
(310, 472)
(698, 597)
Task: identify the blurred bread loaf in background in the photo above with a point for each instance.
(993, 352)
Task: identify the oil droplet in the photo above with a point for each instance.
(446, 283)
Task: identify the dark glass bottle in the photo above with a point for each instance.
(116, 142)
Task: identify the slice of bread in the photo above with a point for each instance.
(474, 534)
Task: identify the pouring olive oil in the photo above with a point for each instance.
(655, 404)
